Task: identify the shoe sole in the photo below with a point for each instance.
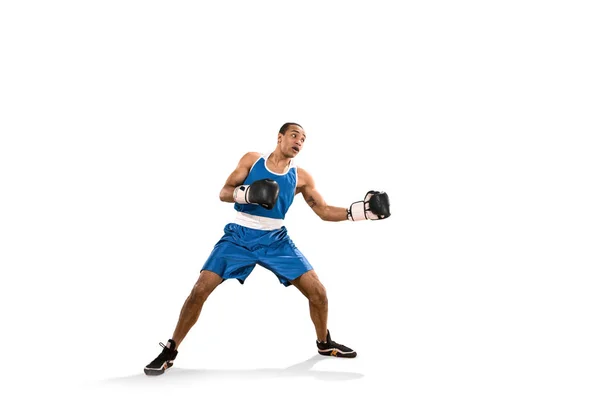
(155, 372)
(337, 353)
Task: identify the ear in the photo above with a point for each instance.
(279, 137)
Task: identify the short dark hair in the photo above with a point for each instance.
(285, 127)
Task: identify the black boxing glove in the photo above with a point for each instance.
(263, 192)
(376, 205)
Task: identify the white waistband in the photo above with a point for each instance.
(256, 222)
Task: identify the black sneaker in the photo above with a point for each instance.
(331, 348)
(163, 361)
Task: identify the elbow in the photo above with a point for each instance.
(223, 195)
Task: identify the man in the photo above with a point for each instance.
(263, 188)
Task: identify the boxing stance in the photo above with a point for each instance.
(262, 188)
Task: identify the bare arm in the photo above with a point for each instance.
(238, 176)
(306, 186)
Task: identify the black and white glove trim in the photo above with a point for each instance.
(240, 194)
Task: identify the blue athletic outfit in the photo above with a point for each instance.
(258, 236)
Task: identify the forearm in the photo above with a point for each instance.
(226, 194)
(333, 214)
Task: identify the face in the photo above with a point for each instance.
(292, 141)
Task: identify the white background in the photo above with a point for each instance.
(120, 121)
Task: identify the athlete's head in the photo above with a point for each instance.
(290, 139)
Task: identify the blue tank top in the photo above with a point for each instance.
(287, 189)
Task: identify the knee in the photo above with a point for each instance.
(319, 297)
(199, 294)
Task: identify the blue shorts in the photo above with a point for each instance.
(239, 250)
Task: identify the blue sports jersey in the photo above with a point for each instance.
(287, 189)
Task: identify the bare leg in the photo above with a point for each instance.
(206, 283)
(310, 286)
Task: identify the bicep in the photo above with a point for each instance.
(317, 203)
(237, 177)
(313, 198)
(311, 195)
(239, 174)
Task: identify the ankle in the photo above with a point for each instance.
(171, 344)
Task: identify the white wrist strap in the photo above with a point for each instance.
(240, 193)
(357, 211)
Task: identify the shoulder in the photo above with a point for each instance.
(249, 158)
(252, 155)
(304, 178)
(301, 172)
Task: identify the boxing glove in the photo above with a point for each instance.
(376, 205)
(263, 192)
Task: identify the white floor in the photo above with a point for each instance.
(256, 340)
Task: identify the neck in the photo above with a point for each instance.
(277, 158)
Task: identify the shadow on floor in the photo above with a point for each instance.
(302, 370)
